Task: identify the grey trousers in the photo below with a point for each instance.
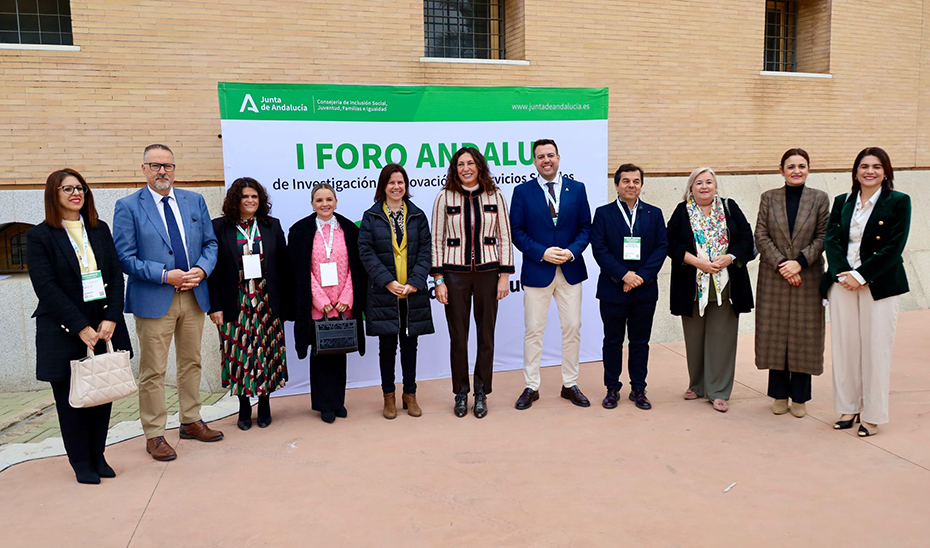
(710, 344)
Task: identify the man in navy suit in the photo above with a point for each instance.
(551, 219)
(629, 243)
(165, 241)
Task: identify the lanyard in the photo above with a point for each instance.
(328, 247)
(629, 222)
(249, 238)
(85, 262)
(549, 198)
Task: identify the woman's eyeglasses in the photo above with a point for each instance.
(69, 189)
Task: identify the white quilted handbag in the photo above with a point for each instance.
(96, 380)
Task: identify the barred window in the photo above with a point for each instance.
(781, 31)
(13, 247)
(466, 29)
(36, 22)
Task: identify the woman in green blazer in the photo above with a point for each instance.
(865, 243)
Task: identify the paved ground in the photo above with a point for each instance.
(552, 476)
(30, 417)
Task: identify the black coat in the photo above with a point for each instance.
(681, 239)
(276, 270)
(300, 248)
(62, 312)
(376, 250)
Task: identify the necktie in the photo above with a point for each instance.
(552, 210)
(174, 234)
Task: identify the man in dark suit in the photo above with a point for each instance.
(550, 219)
(165, 241)
(629, 243)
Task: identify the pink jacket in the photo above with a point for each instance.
(341, 293)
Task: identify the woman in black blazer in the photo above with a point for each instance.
(709, 243)
(394, 247)
(70, 242)
(250, 296)
(866, 235)
(327, 371)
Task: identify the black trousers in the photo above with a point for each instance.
(788, 384)
(464, 287)
(84, 430)
(408, 355)
(635, 318)
(327, 382)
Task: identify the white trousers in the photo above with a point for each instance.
(862, 334)
(535, 310)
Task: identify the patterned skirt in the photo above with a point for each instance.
(254, 359)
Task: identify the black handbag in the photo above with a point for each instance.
(335, 336)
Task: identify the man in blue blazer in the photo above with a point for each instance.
(165, 241)
(551, 219)
(629, 243)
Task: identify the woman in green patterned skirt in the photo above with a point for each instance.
(248, 302)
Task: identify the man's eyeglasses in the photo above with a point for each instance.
(155, 167)
(69, 189)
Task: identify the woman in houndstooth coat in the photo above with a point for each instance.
(790, 233)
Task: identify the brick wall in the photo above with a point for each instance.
(814, 35)
(683, 76)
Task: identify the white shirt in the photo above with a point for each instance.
(173, 202)
(857, 224)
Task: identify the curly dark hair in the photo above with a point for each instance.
(484, 173)
(234, 198)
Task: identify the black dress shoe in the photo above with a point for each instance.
(244, 425)
(481, 405)
(611, 399)
(342, 412)
(639, 398)
(328, 417)
(461, 404)
(264, 422)
(526, 399)
(575, 396)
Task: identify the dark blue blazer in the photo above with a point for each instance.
(607, 233)
(534, 233)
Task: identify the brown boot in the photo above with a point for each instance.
(390, 407)
(410, 404)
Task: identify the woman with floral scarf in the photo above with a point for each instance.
(709, 243)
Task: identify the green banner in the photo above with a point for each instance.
(408, 103)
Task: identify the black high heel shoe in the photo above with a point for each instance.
(846, 425)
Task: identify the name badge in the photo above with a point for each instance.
(329, 276)
(631, 248)
(251, 266)
(92, 283)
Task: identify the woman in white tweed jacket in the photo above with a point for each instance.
(472, 260)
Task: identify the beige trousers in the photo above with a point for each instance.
(862, 337)
(535, 311)
(183, 321)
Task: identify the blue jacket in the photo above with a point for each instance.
(534, 233)
(144, 249)
(607, 233)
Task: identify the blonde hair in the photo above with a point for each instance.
(322, 186)
(694, 175)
